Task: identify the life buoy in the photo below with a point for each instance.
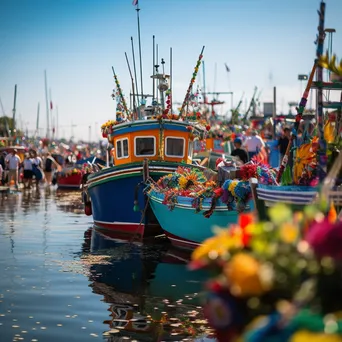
(87, 208)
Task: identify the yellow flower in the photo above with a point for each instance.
(288, 233)
(304, 336)
(182, 181)
(247, 276)
(217, 246)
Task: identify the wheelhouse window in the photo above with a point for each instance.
(190, 148)
(144, 146)
(174, 147)
(122, 148)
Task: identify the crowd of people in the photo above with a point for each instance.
(12, 168)
(251, 144)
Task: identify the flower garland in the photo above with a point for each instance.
(263, 172)
(277, 280)
(192, 81)
(192, 183)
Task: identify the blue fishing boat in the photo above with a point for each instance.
(144, 148)
(147, 142)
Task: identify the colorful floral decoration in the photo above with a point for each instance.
(261, 171)
(122, 100)
(192, 81)
(168, 101)
(192, 183)
(275, 280)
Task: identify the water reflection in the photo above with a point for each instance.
(151, 294)
(69, 201)
(61, 280)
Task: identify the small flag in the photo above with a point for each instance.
(227, 67)
(135, 2)
(51, 106)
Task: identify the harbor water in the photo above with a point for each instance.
(63, 280)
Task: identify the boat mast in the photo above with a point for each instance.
(141, 70)
(14, 109)
(321, 155)
(153, 70)
(135, 77)
(37, 121)
(47, 107)
(171, 79)
(132, 80)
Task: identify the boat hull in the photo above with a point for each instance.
(113, 192)
(184, 227)
(293, 194)
(69, 182)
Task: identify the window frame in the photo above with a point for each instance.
(122, 149)
(145, 155)
(175, 156)
(191, 146)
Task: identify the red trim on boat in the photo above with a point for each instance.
(122, 229)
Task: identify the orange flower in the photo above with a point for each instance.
(246, 276)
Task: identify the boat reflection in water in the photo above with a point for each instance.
(151, 294)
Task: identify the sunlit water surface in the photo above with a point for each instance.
(62, 280)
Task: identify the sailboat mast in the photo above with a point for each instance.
(141, 71)
(171, 79)
(135, 72)
(47, 107)
(204, 86)
(37, 122)
(132, 80)
(153, 69)
(14, 109)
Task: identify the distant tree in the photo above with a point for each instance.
(6, 126)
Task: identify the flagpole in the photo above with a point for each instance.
(141, 71)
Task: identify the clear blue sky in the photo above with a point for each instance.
(265, 43)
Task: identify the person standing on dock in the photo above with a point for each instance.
(13, 161)
(239, 152)
(37, 162)
(253, 144)
(28, 171)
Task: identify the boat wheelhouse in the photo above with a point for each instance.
(141, 149)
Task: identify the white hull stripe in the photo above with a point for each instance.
(117, 223)
(135, 170)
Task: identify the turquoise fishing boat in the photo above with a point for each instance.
(188, 206)
(182, 226)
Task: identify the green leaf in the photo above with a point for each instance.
(280, 213)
